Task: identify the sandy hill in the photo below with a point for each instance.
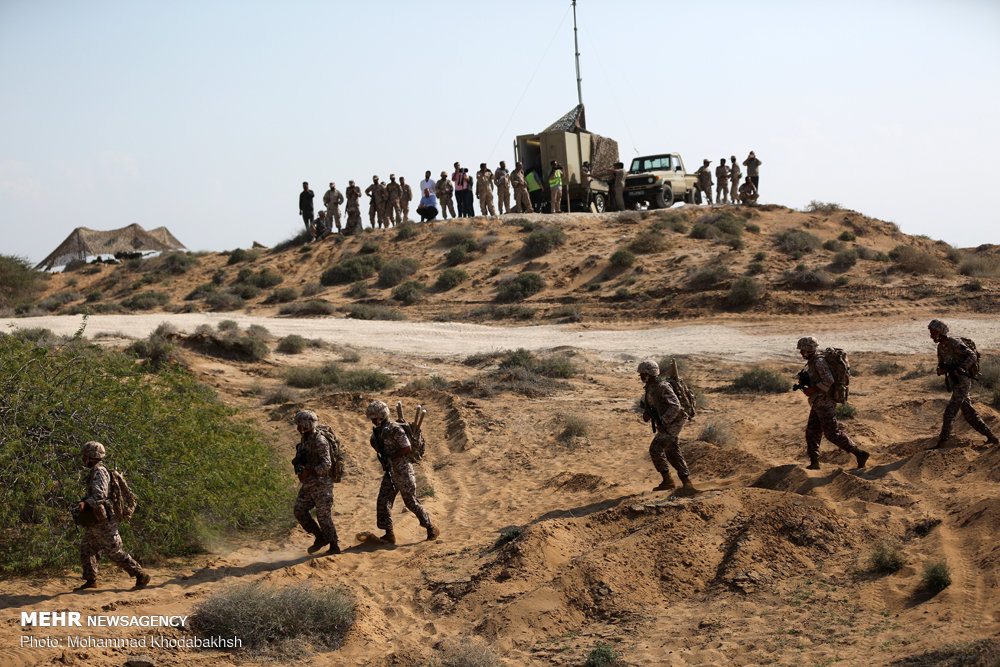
(614, 268)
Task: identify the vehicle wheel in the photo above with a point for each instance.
(663, 198)
(600, 203)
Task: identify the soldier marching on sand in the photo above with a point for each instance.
(444, 191)
(662, 407)
(958, 362)
(822, 408)
(317, 471)
(100, 526)
(393, 449)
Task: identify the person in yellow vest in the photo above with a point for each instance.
(534, 189)
(556, 186)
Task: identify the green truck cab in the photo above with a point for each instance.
(659, 181)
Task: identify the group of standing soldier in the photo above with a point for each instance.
(728, 188)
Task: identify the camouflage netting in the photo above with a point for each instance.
(603, 153)
(573, 121)
(82, 243)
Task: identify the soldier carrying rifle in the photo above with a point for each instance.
(661, 407)
(958, 359)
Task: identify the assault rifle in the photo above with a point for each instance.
(383, 459)
(651, 415)
(952, 367)
(803, 380)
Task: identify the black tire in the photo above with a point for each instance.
(600, 203)
(663, 198)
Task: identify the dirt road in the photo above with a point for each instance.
(730, 341)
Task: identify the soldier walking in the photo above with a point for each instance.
(522, 202)
(501, 177)
(306, 205)
(332, 199)
(753, 164)
(443, 189)
(405, 197)
(556, 186)
(372, 192)
(722, 183)
(353, 209)
(316, 471)
(822, 409)
(662, 407)
(393, 448)
(101, 533)
(734, 178)
(957, 362)
(705, 180)
(484, 190)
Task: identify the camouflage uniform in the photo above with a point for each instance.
(752, 164)
(382, 205)
(312, 456)
(389, 439)
(822, 412)
(502, 180)
(618, 185)
(393, 192)
(444, 190)
(748, 194)
(332, 200)
(953, 351)
(405, 197)
(484, 191)
(103, 537)
(665, 448)
(353, 210)
(586, 179)
(705, 181)
(373, 203)
(734, 178)
(721, 187)
(522, 202)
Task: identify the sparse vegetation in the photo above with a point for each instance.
(405, 230)
(146, 300)
(886, 557)
(282, 295)
(362, 311)
(573, 426)
(467, 652)
(396, 270)
(798, 241)
(707, 277)
(450, 278)
(745, 292)
(622, 259)
(224, 301)
(807, 280)
(847, 236)
(296, 240)
(292, 344)
(308, 308)
(915, 261)
(936, 576)
(761, 381)
(846, 411)
(825, 208)
(409, 292)
(647, 243)
(514, 311)
(454, 235)
(568, 313)
(262, 616)
(603, 655)
(335, 376)
(241, 255)
(981, 266)
(718, 432)
(755, 268)
(543, 240)
(508, 534)
(261, 279)
(883, 368)
(352, 270)
(844, 260)
(520, 287)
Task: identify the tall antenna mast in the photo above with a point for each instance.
(576, 45)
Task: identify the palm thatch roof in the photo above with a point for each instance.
(83, 242)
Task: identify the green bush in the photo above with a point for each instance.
(844, 260)
(520, 287)
(351, 270)
(603, 655)
(745, 292)
(455, 256)
(95, 296)
(886, 557)
(396, 270)
(622, 258)
(261, 279)
(846, 411)
(362, 311)
(245, 291)
(450, 278)
(224, 301)
(508, 534)
(753, 228)
(201, 291)
(648, 242)
(847, 236)
(358, 290)
(368, 248)
(336, 377)
(543, 240)
(833, 245)
(311, 289)
(405, 230)
(300, 238)
(307, 308)
(409, 292)
(241, 255)
(265, 617)
(805, 279)
(915, 261)
(761, 381)
(760, 256)
(219, 277)
(282, 295)
(707, 277)
(454, 235)
(937, 576)
(146, 300)
(755, 268)
(515, 311)
(55, 399)
(292, 344)
(177, 263)
(797, 241)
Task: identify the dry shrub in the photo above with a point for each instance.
(980, 266)
(649, 242)
(911, 260)
(745, 292)
(824, 208)
(718, 432)
(797, 242)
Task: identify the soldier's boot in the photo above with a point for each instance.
(87, 583)
(991, 439)
(389, 537)
(666, 484)
(813, 462)
(686, 484)
(862, 457)
(318, 543)
(433, 532)
(141, 581)
(942, 439)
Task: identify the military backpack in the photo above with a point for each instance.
(974, 368)
(836, 359)
(336, 451)
(122, 499)
(685, 396)
(414, 432)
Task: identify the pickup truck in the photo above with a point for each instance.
(659, 181)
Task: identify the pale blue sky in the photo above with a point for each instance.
(206, 116)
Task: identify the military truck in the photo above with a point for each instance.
(568, 142)
(658, 181)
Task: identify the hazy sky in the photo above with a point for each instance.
(207, 116)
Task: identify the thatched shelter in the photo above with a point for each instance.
(83, 243)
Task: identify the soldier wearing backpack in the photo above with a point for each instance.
(318, 463)
(393, 449)
(959, 360)
(661, 407)
(822, 406)
(100, 525)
